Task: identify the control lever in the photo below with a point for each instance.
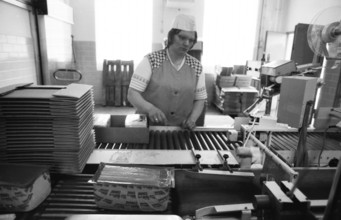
(225, 166)
(198, 166)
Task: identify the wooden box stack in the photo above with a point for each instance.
(233, 101)
(234, 94)
(116, 79)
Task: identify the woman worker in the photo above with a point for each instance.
(168, 85)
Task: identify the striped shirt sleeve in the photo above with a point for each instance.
(200, 92)
(141, 76)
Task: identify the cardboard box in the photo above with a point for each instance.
(132, 188)
(243, 81)
(233, 81)
(296, 91)
(225, 81)
(278, 68)
(253, 68)
(121, 129)
(23, 186)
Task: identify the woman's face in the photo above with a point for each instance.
(183, 41)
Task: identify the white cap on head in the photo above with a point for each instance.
(184, 22)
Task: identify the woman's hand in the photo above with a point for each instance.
(188, 124)
(156, 116)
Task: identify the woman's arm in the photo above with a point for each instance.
(155, 114)
(138, 84)
(199, 103)
(198, 107)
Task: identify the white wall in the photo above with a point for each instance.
(303, 11)
(84, 20)
(293, 12)
(163, 18)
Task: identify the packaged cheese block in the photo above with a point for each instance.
(136, 120)
(133, 188)
(23, 186)
(102, 120)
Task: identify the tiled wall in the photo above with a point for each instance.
(86, 63)
(56, 47)
(17, 63)
(17, 57)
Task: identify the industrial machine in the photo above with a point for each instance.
(271, 75)
(210, 181)
(213, 179)
(324, 39)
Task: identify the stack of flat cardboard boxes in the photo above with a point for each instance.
(47, 125)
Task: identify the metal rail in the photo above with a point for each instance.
(286, 168)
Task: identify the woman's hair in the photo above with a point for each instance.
(173, 32)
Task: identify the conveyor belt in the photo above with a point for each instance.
(171, 147)
(321, 151)
(179, 140)
(289, 141)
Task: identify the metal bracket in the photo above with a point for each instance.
(225, 166)
(197, 157)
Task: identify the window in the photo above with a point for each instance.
(123, 29)
(229, 32)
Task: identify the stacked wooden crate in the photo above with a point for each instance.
(116, 79)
